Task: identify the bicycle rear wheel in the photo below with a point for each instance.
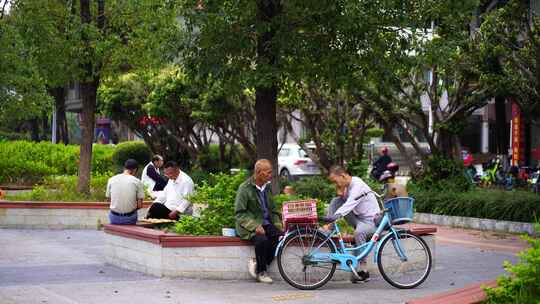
(411, 272)
(295, 264)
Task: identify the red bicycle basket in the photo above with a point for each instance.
(299, 212)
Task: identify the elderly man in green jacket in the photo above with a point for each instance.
(257, 219)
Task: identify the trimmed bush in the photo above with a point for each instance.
(136, 150)
(26, 162)
(519, 206)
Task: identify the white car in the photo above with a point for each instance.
(293, 162)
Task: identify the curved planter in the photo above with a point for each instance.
(203, 257)
(56, 215)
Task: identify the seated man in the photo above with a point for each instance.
(257, 219)
(151, 178)
(172, 202)
(126, 193)
(358, 205)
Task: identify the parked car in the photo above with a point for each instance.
(294, 163)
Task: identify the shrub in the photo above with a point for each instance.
(12, 136)
(102, 162)
(443, 174)
(520, 206)
(522, 286)
(210, 161)
(62, 188)
(136, 150)
(29, 162)
(219, 198)
(358, 168)
(318, 187)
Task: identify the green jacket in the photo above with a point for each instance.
(249, 213)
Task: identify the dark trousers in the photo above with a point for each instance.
(265, 246)
(158, 211)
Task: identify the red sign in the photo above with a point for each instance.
(517, 135)
(150, 120)
(535, 153)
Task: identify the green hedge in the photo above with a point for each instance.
(519, 206)
(26, 162)
(62, 188)
(6, 136)
(136, 150)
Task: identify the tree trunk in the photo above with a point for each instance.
(88, 96)
(45, 125)
(266, 139)
(445, 143)
(34, 129)
(88, 89)
(266, 95)
(501, 131)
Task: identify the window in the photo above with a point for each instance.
(284, 152)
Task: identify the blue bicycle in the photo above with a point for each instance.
(308, 257)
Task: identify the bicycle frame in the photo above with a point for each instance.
(350, 261)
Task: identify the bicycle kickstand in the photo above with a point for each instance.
(349, 263)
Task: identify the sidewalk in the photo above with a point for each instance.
(485, 240)
(66, 267)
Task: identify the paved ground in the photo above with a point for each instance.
(66, 267)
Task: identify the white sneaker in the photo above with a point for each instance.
(263, 277)
(252, 268)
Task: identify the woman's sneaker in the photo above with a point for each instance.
(363, 276)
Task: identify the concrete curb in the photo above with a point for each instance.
(474, 223)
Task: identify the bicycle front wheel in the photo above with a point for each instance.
(296, 264)
(404, 273)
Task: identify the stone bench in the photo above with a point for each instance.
(56, 215)
(471, 294)
(204, 257)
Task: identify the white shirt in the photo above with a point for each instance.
(175, 193)
(124, 190)
(147, 181)
(262, 187)
(364, 207)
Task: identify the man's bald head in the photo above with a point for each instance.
(262, 164)
(263, 171)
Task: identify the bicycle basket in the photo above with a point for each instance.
(400, 210)
(299, 212)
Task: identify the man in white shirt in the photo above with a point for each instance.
(126, 193)
(172, 201)
(358, 205)
(151, 178)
